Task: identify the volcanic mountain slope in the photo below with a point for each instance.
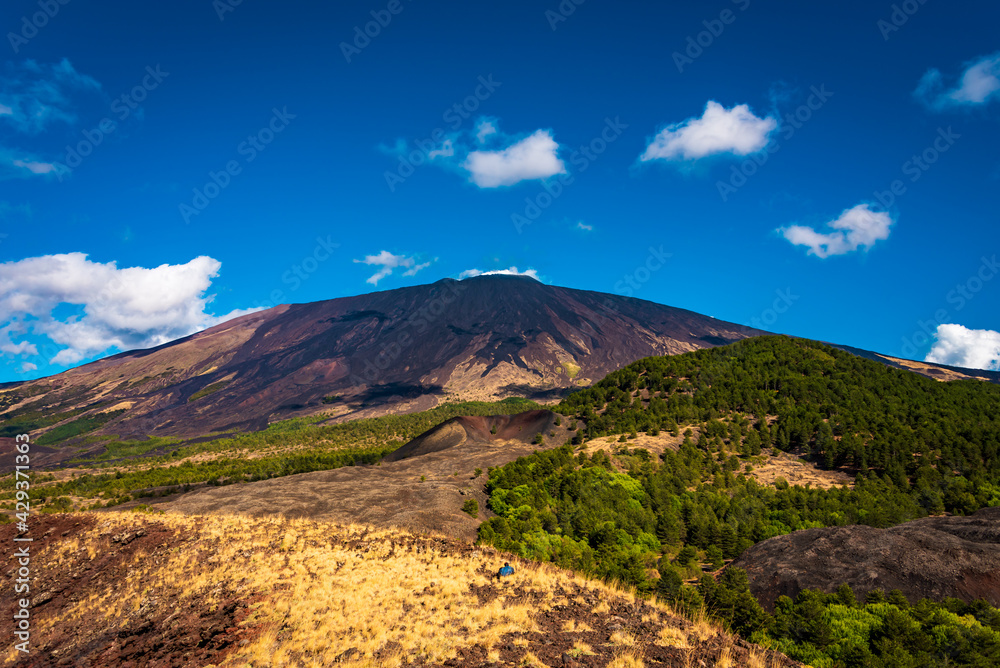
(422, 486)
(482, 338)
(127, 589)
(933, 557)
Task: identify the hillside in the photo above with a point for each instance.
(933, 557)
(482, 338)
(152, 590)
(421, 486)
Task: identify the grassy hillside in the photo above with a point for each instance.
(115, 588)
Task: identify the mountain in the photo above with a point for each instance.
(408, 349)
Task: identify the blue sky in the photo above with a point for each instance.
(164, 167)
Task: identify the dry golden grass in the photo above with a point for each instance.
(317, 589)
(627, 660)
(533, 661)
(672, 637)
(701, 627)
(327, 589)
(725, 659)
(622, 638)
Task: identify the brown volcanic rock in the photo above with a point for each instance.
(421, 487)
(477, 429)
(408, 349)
(933, 557)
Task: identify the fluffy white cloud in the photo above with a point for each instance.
(483, 154)
(970, 348)
(128, 308)
(978, 85)
(855, 228)
(27, 367)
(580, 225)
(719, 130)
(534, 157)
(510, 271)
(387, 262)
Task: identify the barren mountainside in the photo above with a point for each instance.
(481, 338)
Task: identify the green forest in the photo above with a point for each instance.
(915, 446)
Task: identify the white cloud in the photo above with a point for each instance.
(483, 154)
(413, 270)
(34, 96)
(719, 130)
(970, 348)
(447, 150)
(127, 308)
(534, 157)
(27, 367)
(387, 261)
(580, 225)
(484, 128)
(855, 228)
(35, 167)
(510, 271)
(977, 86)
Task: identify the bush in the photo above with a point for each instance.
(471, 506)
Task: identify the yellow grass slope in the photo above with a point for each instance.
(128, 589)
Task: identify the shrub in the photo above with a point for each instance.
(471, 506)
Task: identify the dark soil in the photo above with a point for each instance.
(934, 557)
(158, 634)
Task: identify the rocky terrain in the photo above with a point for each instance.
(422, 486)
(131, 590)
(933, 557)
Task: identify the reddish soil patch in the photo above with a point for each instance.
(158, 634)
